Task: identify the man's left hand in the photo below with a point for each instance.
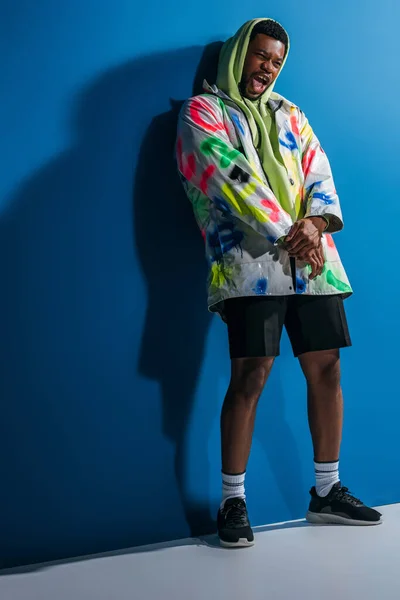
(305, 235)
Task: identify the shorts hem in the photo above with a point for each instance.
(323, 348)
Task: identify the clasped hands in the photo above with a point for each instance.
(303, 242)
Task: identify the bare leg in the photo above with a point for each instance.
(248, 378)
(325, 402)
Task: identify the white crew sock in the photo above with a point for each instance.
(232, 487)
(326, 475)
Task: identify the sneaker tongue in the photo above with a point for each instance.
(233, 501)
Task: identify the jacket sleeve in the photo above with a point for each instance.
(208, 160)
(320, 193)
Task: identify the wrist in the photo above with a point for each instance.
(320, 223)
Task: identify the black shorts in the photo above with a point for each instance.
(313, 323)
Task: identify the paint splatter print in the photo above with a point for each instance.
(238, 214)
(260, 288)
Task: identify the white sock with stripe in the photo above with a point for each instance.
(326, 475)
(232, 487)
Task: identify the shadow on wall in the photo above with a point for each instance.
(173, 263)
(176, 321)
(86, 464)
(91, 461)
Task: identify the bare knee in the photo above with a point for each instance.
(322, 368)
(249, 376)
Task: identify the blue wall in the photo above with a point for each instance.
(112, 371)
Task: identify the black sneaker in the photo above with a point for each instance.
(340, 507)
(234, 529)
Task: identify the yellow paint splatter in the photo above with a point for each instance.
(219, 275)
(238, 200)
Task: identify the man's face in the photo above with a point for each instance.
(264, 60)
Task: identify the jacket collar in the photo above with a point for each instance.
(279, 105)
(276, 102)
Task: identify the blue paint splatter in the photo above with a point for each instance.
(325, 198)
(214, 245)
(300, 286)
(290, 141)
(238, 124)
(222, 205)
(233, 240)
(224, 238)
(271, 239)
(261, 287)
(313, 185)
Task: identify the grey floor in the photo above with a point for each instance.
(289, 561)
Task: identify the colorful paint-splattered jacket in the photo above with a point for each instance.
(235, 208)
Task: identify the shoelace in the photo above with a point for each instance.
(345, 494)
(237, 513)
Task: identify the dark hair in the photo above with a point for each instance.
(272, 29)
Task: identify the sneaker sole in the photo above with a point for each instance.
(329, 519)
(241, 543)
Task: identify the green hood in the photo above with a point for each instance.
(230, 69)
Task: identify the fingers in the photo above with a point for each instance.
(319, 262)
(302, 251)
(322, 258)
(299, 247)
(313, 262)
(320, 267)
(302, 236)
(292, 232)
(316, 260)
(302, 241)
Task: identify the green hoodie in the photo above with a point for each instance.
(259, 115)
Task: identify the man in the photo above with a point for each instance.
(264, 198)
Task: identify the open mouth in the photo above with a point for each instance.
(260, 82)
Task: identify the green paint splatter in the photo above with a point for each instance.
(200, 204)
(335, 282)
(214, 145)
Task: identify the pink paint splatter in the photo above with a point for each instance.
(272, 206)
(198, 106)
(307, 161)
(330, 241)
(209, 172)
(186, 165)
(295, 125)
